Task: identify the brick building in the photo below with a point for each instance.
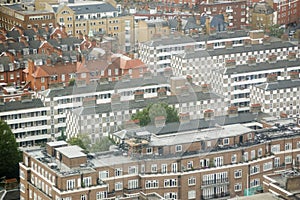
(234, 12)
(186, 165)
(25, 16)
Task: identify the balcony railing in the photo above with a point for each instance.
(215, 182)
(215, 196)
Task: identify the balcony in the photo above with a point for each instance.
(209, 183)
(223, 195)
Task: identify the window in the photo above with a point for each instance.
(190, 165)
(118, 186)
(83, 75)
(170, 195)
(170, 182)
(298, 145)
(238, 173)
(267, 166)
(252, 154)
(101, 195)
(70, 184)
(259, 152)
(42, 79)
(192, 181)
(288, 159)
(237, 187)
(87, 181)
(103, 174)
(11, 76)
(233, 158)
(254, 169)
(22, 187)
(154, 168)
(277, 162)
(83, 197)
(174, 167)
(151, 184)
(255, 182)
(164, 168)
(288, 146)
(149, 150)
(118, 172)
(275, 148)
(132, 184)
(191, 194)
(178, 148)
(226, 141)
(219, 161)
(132, 170)
(245, 156)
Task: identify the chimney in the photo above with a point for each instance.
(168, 72)
(205, 88)
(266, 40)
(115, 98)
(26, 96)
(271, 78)
(251, 61)
(159, 121)
(230, 63)
(89, 102)
(292, 56)
(162, 93)
(228, 45)
(139, 96)
(232, 111)
(283, 115)
(131, 124)
(208, 115)
(184, 118)
(147, 75)
(209, 46)
(189, 79)
(247, 43)
(294, 75)
(1, 101)
(272, 58)
(255, 108)
(285, 37)
(184, 90)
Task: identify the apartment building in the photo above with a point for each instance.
(262, 15)
(199, 63)
(157, 53)
(286, 12)
(279, 98)
(234, 12)
(234, 81)
(25, 15)
(92, 18)
(209, 167)
(59, 100)
(28, 119)
(147, 30)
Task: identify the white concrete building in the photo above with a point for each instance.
(28, 119)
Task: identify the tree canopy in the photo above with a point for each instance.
(84, 141)
(148, 114)
(9, 153)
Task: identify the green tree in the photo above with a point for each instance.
(77, 141)
(9, 153)
(72, 82)
(276, 31)
(148, 114)
(101, 144)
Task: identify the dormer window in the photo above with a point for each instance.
(34, 51)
